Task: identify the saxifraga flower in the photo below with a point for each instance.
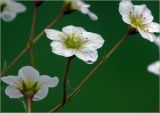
(29, 84)
(75, 41)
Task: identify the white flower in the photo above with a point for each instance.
(82, 7)
(154, 68)
(139, 17)
(28, 83)
(9, 9)
(75, 41)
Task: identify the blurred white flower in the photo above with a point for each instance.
(154, 68)
(75, 41)
(140, 18)
(9, 9)
(82, 7)
(28, 83)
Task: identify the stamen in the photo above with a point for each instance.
(73, 41)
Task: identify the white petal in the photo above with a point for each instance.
(11, 80)
(72, 29)
(92, 15)
(53, 34)
(28, 73)
(8, 16)
(154, 68)
(139, 9)
(12, 92)
(41, 94)
(126, 19)
(79, 5)
(93, 39)
(149, 36)
(59, 49)
(152, 27)
(125, 7)
(17, 7)
(48, 81)
(143, 12)
(88, 55)
(157, 41)
(83, 9)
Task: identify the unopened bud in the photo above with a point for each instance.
(38, 3)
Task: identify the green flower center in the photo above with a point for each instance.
(28, 88)
(3, 6)
(137, 21)
(73, 42)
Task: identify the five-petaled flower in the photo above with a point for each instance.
(29, 84)
(75, 41)
(154, 68)
(140, 18)
(9, 9)
(80, 6)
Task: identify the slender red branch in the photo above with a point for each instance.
(31, 39)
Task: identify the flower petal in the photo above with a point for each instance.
(11, 80)
(41, 94)
(157, 41)
(152, 27)
(28, 73)
(59, 49)
(17, 7)
(88, 55)
(125, 7)
(143, 12)
(12, 92)
(48, 81)
(126, 19)
(8, 16)
(149, 36)
(92, 15)
(53, 34)
(154, 68)
(79, 5)
(93, 39)
(72, 29)
(83, 8)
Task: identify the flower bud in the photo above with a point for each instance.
(38, 3)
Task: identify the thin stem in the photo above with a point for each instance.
(24, 51)
(32, 36)
(68, 64)
(29, 105)
(102, 61)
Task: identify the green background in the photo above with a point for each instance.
(122, 84)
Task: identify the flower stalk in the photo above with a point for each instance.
(68, 64)
(29, 105)
(31, 39)
(101, 62)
